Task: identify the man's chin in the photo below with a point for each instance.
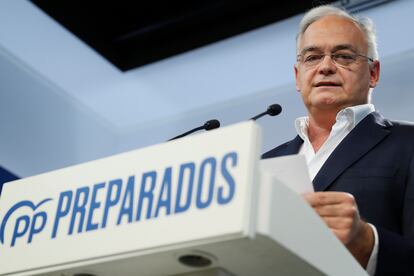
(328, 104)
(326, 101)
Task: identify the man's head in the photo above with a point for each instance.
(337, 62)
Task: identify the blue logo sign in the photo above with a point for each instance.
(130, 199)
(25, 223)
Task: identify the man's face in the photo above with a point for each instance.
(327, 85)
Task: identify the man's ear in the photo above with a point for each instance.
(374, 73)
(295, 68)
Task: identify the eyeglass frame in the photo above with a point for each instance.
(332, 56)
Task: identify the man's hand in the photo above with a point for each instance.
(340, 212)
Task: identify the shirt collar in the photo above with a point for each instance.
(352, 114)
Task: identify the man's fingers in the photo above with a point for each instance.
(328, 198)
(336, 210)
(338, 223)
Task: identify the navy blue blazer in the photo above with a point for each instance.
(375, 163)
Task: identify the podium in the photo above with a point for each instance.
(195, 206)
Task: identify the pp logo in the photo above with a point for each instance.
(25, 223)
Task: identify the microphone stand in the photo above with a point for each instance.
(209, 125)
(272, 110)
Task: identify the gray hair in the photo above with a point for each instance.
(365, 24)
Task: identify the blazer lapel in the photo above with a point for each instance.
(288, 148)
(293, 146)
(368, 133)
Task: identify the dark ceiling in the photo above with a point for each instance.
(130, 34)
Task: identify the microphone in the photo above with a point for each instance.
(209, 125)
(272, 110)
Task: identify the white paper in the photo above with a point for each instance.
(291, 170)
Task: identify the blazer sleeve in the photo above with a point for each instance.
(395, 254)
(396, 251)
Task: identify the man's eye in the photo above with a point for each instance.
(311, 58)
(347, 57)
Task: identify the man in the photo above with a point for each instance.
(362, 165)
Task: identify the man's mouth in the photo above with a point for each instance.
(327, 83)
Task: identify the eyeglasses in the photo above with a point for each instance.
(342, 59)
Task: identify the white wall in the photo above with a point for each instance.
(61, 103)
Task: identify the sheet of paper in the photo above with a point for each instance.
(290, 170)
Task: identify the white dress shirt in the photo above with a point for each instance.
(346, 120)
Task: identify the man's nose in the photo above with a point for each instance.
(327, 66)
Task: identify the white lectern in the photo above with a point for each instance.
(194, 206)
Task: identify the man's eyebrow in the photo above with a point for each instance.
(334, 49)
(343, 47)
(310, 49)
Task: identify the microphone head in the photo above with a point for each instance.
(274, 109)
(212, 124)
